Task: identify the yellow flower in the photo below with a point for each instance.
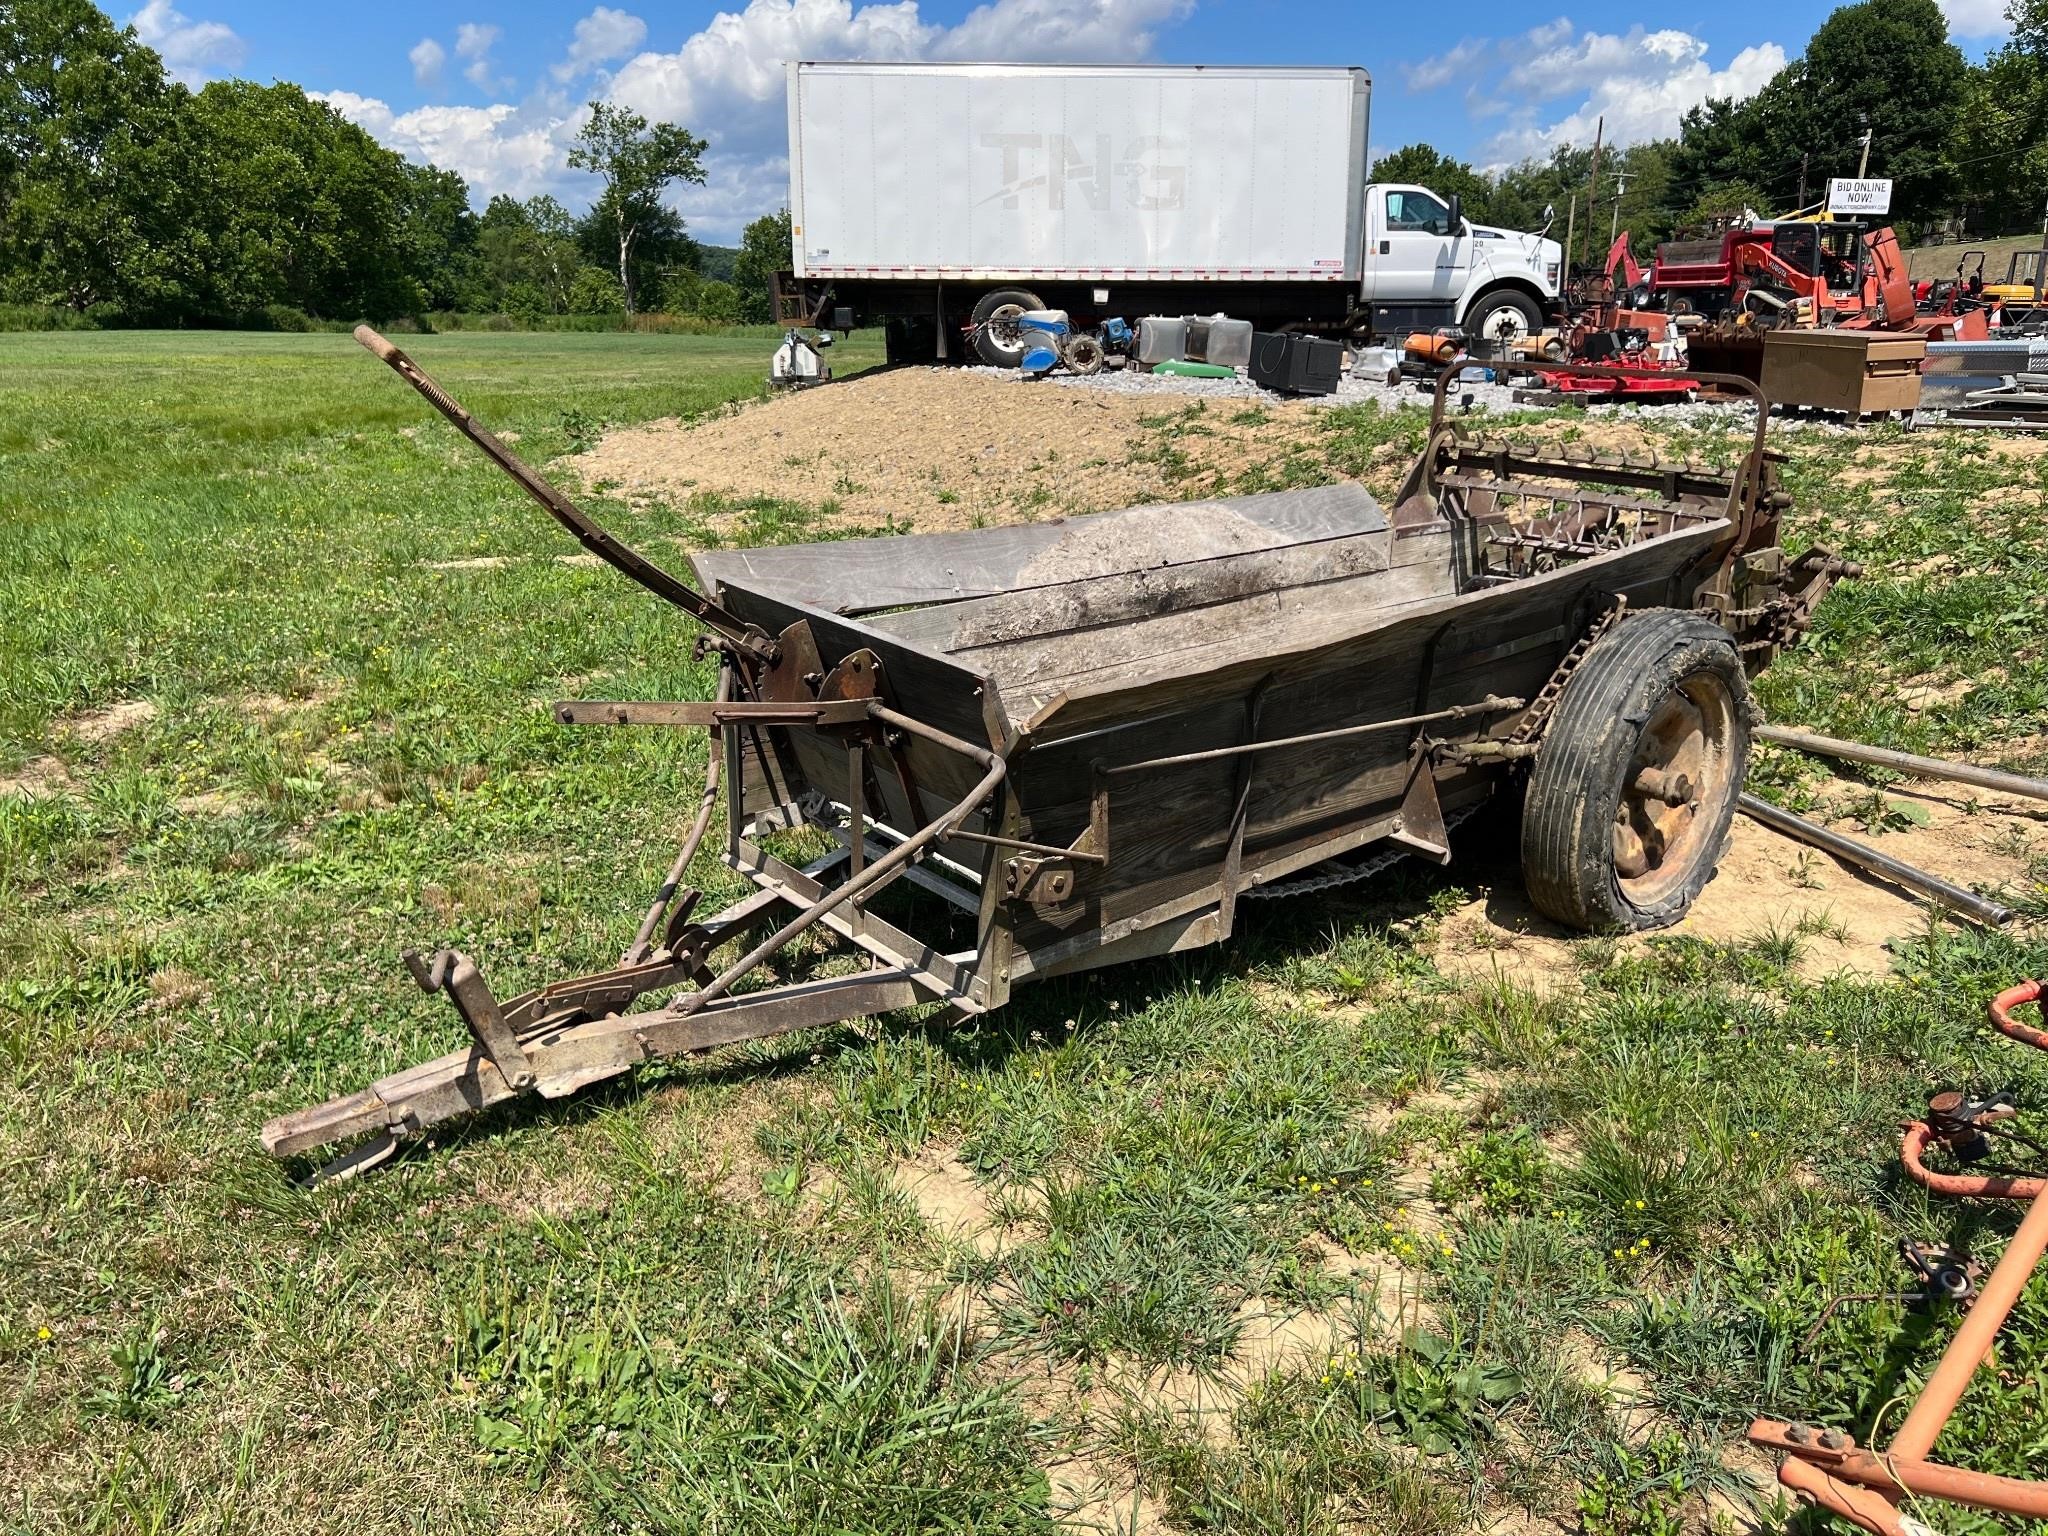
(1617, 1253)
(1315, 1189)
(1641, 1205)
(43, 1334)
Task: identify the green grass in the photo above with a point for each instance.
(710, 1298)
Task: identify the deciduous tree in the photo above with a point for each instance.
(638, 162)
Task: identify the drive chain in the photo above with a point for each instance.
(1330, 875)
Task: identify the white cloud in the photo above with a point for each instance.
(1641, 82)
(602, 36)
(726, 83)
(1976, 18)
(474, 41)
(499, 148)
(193, 51)
(427, 57)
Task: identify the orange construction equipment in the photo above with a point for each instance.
(1866, 1487)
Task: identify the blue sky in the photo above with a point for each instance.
(494, 88)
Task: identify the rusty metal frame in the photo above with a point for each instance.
(1866, 1486)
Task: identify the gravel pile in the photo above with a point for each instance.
(1483, 398)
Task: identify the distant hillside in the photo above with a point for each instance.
(715, 261)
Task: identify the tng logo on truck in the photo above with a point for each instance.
(1055, 164)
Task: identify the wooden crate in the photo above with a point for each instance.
(1854, 372)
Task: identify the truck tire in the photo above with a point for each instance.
(996, 338)
(1503, 316)
(1628, 805)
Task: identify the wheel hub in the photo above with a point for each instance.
(1674, 784)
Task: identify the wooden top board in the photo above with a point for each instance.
(851, 576)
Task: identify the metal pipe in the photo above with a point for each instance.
(637, 950)
(1859, 1506)
(1962, 1186)
(1966, 1351)
(594, 538)
(1489, 705)
(2011, 998)
(1919, 881)
(882, 870)
(1904, 762)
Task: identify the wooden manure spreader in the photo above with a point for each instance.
(1091, 740)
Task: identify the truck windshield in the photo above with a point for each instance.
(1418, 213)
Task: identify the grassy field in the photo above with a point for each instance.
(1314, 1234)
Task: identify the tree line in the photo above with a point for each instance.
(1965, 145)
(133, 200)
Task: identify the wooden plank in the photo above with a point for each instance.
(1341, 638)
(1097, 602)
(852, 576)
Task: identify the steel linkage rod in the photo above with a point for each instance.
(706, 804)
(876, 874)
(593, 537)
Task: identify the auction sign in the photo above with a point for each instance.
(1856, 194)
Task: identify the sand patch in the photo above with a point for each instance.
(104, 724)
(953, 1203)
(37, 779)
(1095, 1496)
(939, 448)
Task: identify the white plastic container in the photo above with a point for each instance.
(1161, 339)
(1219, 339)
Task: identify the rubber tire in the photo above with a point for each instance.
(1492, 304)
(1576, 784)
(986, 346)
(1082, 355)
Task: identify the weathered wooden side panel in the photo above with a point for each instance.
(854, 576)
(1169, 828)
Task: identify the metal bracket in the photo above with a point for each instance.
(1038, 878)
(455, 973)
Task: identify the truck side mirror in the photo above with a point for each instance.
(1457, 216)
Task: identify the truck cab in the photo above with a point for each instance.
(1425, 264)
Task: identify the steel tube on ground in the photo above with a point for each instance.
(1904, 762)
(1933, 887)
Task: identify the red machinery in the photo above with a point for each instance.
(1865, 1486)
(1788, 272)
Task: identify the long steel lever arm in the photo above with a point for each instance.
(748, 637)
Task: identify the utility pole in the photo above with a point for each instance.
(1593, 181)
(1801, 204)
(1863, 164)
(1571, 225)
(1614, 223)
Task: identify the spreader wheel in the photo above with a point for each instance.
(1629, 803)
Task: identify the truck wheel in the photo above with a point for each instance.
(1504, 316)
(1628, 805)
(996, 336)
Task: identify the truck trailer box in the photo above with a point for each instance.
(1105, 173)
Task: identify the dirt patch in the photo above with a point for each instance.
(105, 724)
(37, 778)
(937, 448)
(1091, 1495)
(1767, 884)
(951, 1200)
(473, 563)
(1770, 883)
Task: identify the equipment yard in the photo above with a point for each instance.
(1407, 1210)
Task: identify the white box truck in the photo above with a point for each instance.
(944, 199)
